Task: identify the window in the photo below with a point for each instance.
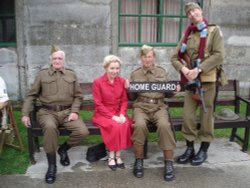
(155, 22)
(7, 23)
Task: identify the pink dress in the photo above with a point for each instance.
(111, 99)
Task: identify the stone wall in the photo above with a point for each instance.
(87, 30)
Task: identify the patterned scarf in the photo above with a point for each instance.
(202, 28)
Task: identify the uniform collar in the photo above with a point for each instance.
(150, 70)
(53, 71)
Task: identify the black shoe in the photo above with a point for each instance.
(186, 156)
(119, 165)
(138, 168)
(199, 158)
(112, 167)
(62, 151)
(50, 176)
(168, 171)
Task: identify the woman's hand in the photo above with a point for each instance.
(122, 118)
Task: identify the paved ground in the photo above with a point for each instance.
(226, 166)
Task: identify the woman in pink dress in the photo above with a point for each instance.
(110, 98)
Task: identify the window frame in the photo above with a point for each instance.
(10, 16)
(181, 16)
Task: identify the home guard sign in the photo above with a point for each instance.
(152, 86)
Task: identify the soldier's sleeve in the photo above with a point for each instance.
(78, 97)
(31, 96)
(217, 54)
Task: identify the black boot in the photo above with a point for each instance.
(168, 170)
(50, 176)
(201, 156)
(62, 151)
(188, 154)
(138, 168)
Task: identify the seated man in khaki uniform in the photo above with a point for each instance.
(150, 107)
(59, 92)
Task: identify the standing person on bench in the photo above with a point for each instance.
(203, 45)
(110, 98)
(60, 95)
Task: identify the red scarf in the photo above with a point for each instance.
(202, 28)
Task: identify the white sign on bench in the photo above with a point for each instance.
(152, 86)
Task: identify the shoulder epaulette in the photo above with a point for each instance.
(43, 69)
(136, 69)
(68, 69)
(212, 25)
(160, 67)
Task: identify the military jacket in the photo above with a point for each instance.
(53, 87)
(155, 74)
(213, 52)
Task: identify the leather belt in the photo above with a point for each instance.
(150, 100)
(56, 108)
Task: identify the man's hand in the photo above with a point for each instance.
(26, 121)
(73, 116)
(193, 73)
(126, 84)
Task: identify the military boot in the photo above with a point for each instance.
(168, 170)
(62, 151)
(201, 156)
(188, 154)
(138, 165)
(138, 168)
(50, 176)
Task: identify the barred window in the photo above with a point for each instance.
(155, 22)
(7, 23)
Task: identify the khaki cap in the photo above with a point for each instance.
(191, 5)
(226, 114)
(54, 49)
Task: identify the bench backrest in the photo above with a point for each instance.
(226, 96)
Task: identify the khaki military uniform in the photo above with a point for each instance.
(150, 107)
(213, 57)
(60, 94)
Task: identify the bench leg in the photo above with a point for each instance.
(31, 146)
(246, 139)
(145, 149)
(37, 145)
(233, 133)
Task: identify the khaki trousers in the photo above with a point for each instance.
(189, 128)
(50, 121)
(160, 118)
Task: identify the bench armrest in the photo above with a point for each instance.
(247, 101)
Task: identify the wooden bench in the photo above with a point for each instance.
(223, 99)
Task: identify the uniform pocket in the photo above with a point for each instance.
(49, 87)
(68, 85)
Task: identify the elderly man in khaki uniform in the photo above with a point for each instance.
(59, 92)
(150, 107)
(203, 43)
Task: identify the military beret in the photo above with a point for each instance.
(191, 5)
